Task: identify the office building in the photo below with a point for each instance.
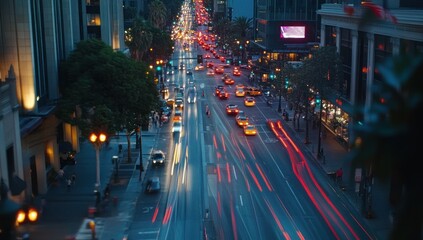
(35, 36)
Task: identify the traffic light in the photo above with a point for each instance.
(159, 68)
(318, 102)
(199, 58)
(230, 13)
(286, 82)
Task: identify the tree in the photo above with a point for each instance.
(241, 30)
(323, 74)
(387, 143)
(139, 39)
(224, 31)
(157, 14)
(103, 90)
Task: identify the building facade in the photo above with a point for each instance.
(35, 36)
(362, 46)
(284, 30)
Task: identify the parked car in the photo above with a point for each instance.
(153, 185)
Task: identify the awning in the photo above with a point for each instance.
(17, 185)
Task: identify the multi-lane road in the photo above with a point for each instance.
(219, 182)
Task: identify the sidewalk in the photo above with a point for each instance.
(66, 212)
(335, 157)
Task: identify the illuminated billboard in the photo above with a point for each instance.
(292, 32)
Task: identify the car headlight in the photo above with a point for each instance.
(161, 161)
(154, 161)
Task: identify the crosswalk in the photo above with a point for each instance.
(85, 230)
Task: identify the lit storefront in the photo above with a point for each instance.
(335, 119)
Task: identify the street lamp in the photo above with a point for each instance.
(279, 76)
(98, 140)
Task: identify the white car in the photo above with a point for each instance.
(191, 95)
(177, 127)
(210, 72)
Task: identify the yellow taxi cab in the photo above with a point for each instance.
(252, 91)
(249, 101)
(239, 92)
(250, 130)
(241, 120)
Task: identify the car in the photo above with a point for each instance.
(222, 59)
(241, 120)
(210, 72)
(177, 127)
(166, 111)
(250, 130)
(219, 70)
(229, 81)
(189, 72)
(223, 95)
(170, 102)
(199, 67)
(66, 154)
(157, 157)
(232, 109)
(239, 92)
(249, 101)
(153, 185)
(179, 103)
(253, 91)
(192, 95)
(218, 89)
(236, 72)
(177, 117)
(170, 72)
(210, 64)
(224, 77)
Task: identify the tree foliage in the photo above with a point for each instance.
(104, 90)
(157, 14)
(387, 142)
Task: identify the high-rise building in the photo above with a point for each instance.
(35, 36)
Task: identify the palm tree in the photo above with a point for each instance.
(158, 14)
(139, 39)
(242, 27)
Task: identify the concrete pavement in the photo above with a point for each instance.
(65, 212)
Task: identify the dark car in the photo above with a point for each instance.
(153, 185)
(157, 158)
(232, 109)
(223, 95)
(66, 154)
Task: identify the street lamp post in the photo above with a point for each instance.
(98, 140)
(279, 76)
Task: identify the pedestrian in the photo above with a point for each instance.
(73, 178)
(69, 183)
(107, 192)
(338, 175)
